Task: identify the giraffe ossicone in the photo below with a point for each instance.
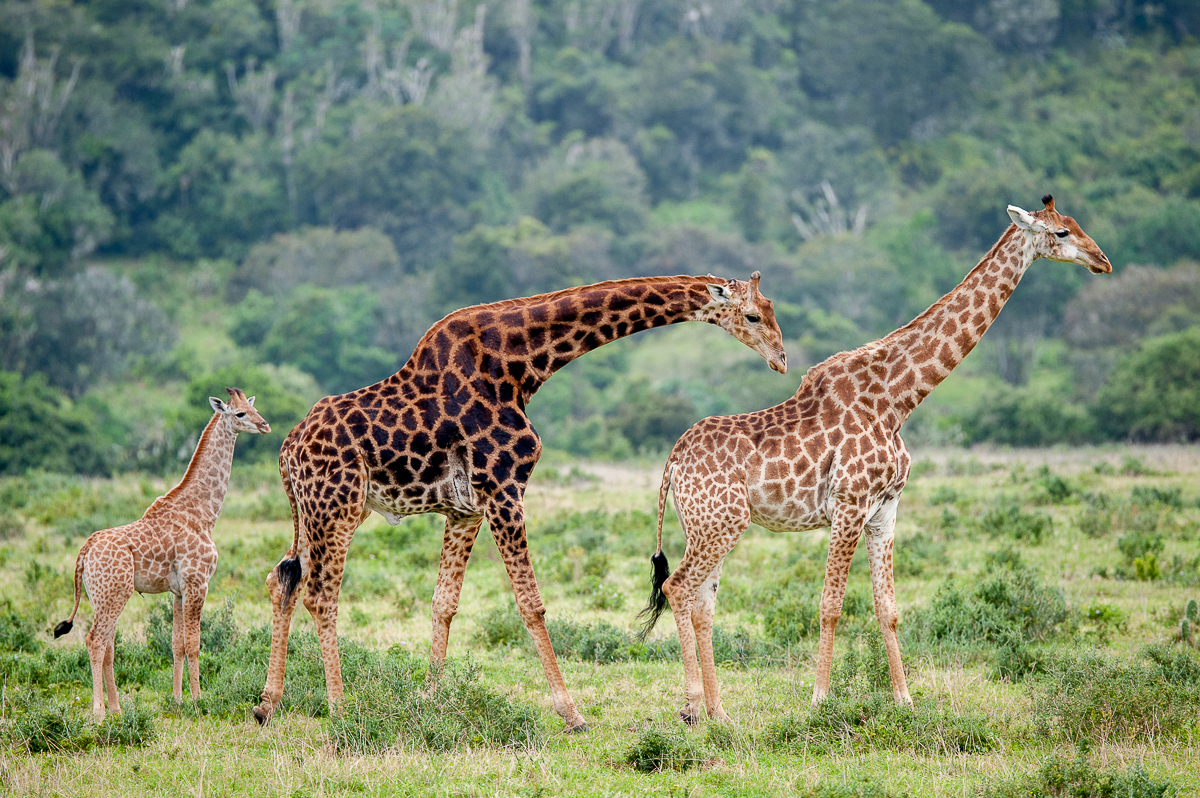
(169, 549)
(831, 456)
(448, 434)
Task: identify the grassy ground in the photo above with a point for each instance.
(1025, 628)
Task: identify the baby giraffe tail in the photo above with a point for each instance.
(658, 599)
(65, 626)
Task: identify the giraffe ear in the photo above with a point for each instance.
(1025, 220)
(217, 405)
(721, 294)
(250, 401)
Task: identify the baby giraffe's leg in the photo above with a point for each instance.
(193, 604)
(880, 538)
(703, 609)
(178, 649)
(108, 577)
(110, 678)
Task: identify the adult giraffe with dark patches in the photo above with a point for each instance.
(448, 434)
(832, 456)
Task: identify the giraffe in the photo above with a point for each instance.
(831, 456)
(448, 434)
(169, 548)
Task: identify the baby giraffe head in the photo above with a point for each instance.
(240, 410)
(739, 309)
(1059, 237)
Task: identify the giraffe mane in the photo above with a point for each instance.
(193, 465)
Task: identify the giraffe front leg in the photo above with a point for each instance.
(193, 607)
(284, 584)
(456, 550)
(506, 518)
(848, 520)
(880, 540)
(178, 649)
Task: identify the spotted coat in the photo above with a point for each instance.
(831, 456)
(168, 550)
(448, 434)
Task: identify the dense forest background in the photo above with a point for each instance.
(284, 194)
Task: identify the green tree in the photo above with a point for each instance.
(328, 333)
(39, 429)
(1153, 394)
(401, 172)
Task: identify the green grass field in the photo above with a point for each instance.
(1042, 594)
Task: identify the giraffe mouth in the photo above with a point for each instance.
(264, 427)
(778, 361)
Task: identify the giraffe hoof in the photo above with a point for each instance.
(261, 715)
(582, 728)
(688, 717)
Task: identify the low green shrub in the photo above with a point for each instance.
(392, 704)
(792, 611)
(876, 721)
(1176, 664)
(1011, 520)
(1150, 496)
(1095, 696)
(671, 749)
(55, 726)
(1079, 779)
(602, 642)
(1008, 602)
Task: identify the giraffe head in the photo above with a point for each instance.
(1058, 237)
(739, 309)
(240, 410)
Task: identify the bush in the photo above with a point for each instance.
(389, 706)
(1079, 779)
(1009, 519)
(1100, 697)
(657, 750)
(58, 727)
(875, 722)
(793, 611)
(1009, 604)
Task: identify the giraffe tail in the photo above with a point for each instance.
(661, 568)
(288, 571)
(66, 626)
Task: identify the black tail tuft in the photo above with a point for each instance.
(289, 577)
(63, 628)
(658, 599)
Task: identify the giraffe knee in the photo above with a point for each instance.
(531, 614)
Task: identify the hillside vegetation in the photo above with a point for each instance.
(284, 195)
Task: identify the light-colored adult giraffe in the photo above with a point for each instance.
(170, 548)
(448, 434)
(832, 456)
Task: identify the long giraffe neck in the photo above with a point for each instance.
(522, 342)
(201, 492)
(921, 354)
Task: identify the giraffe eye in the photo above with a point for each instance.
(753, 318)
(241, 415)
(1063, 233)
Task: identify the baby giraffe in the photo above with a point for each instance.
(831, 456)
(170, 548)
